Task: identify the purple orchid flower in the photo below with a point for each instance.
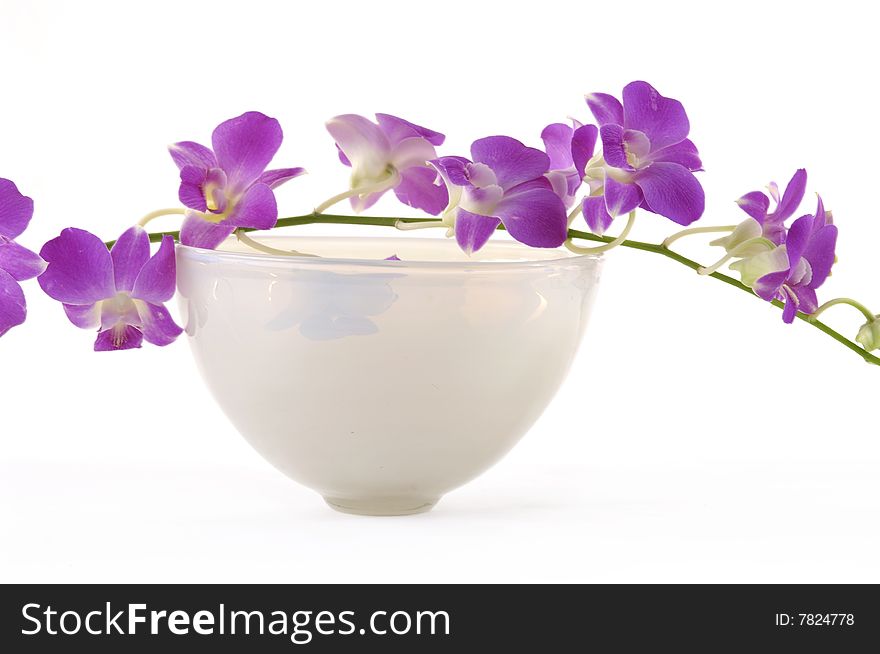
(569, 149)
(390, 153)
(504, 184)
(16, 262)
(756, 204)
(792, 272)
(229, 187)
(121, 292)
(647, 160)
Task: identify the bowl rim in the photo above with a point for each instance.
(255, 257)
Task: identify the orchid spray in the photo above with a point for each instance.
(637, 156)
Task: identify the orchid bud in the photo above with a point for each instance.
(869, 334)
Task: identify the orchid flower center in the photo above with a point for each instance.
(484, 194)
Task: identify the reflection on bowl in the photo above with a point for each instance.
(384, 384)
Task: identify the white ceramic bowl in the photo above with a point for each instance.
(383, 384)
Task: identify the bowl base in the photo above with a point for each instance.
(382, 506)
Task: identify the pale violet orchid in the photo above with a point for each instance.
(391, 153)
(121, 292)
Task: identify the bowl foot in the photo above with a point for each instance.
(382, 505)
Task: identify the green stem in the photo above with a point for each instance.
(654, 248)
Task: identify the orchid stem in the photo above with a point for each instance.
(578, 209)
(387, 183)
(708, 270)
(697, 230)
(630, 221)
(261, 247)
(404, 225)
(844, 300)
(159, 213)
(653, 248)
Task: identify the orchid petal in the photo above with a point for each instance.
(755, 204)
(275, 178)
(18, 261)
(684, 153)
(158, 326)
(157, 278)
(256, 209)
(16, 210)
(129, 254)
(13, 309)
(396, 129)
(119, 338)
(613, 147)
(512, 162)
(363, 143)
(84, 316)
(820, 254)
(583, 145)
(662, 119)
(472, 231)
(188, 153)
(411, 152)
(557, 139)
(533, 214)
(419, 188)
(596, 215)
(244, 146)
(794, 193)
(80, 269)
(798, 239)
(454, 170)
(620, 198)
(606, 108)
(199, 233)
(672, 191)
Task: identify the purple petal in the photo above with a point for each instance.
(767, 287)
(672, 191)
(557, 139)
(472, 230)
(18, 261)
(361, 203)
(613, 148)
(157, 325)
(534, 214)
(13, 309)
(789, 312)
(606, 108)
(199, 233)
(820, 254)
(129, 254)
(80, 269)
(683, 153)
(187, 153)
(396, 129)
(793, 195)
(596, 215)
(123, 337)
(755, 204)
(256, 208)
(512, 162)
(798, 239)
(620, 198)
(275, 178)
(662, 119)
(583, 145)
(419, 188)
(362, 141)
(191, 192)
(453, 169)
(157, 278)
(16, 210)
(84, 316)
(807, 300)
(244, 147)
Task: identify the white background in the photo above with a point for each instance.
(697, 437)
